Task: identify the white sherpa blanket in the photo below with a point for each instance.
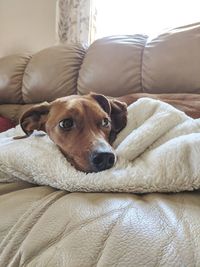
(158, 151)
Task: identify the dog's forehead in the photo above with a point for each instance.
(78, 104)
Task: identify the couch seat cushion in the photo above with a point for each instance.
(41, 226)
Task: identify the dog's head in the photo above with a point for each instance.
(83, 127)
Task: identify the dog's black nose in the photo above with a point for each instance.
(102, 160)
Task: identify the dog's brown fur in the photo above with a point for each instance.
(78, 143)
(87, 135)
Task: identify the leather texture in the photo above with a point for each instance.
(12, 70)
(13, 111)
(44, 76)
(114, 66)
(172, 62)
(52, 73)
(48, 227)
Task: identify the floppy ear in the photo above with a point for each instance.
(118, 117)
(35, 118)
(103, 102)
(117, 111)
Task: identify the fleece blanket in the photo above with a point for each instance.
(158, 151)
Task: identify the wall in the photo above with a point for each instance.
(26, 25)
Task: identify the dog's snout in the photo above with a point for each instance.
(102, 160)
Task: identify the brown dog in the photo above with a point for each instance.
(83, 127)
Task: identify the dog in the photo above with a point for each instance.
(83, 128)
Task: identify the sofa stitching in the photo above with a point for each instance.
(22, 81)
(23, 88)
(76, 227)
(141, 64)
(83, 55)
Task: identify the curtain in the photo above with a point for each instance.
(75, 21)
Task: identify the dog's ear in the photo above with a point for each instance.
(117, 111)
(103, 102)
(118, 117)
(35, 118)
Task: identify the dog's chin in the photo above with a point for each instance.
(81, 169)
(78, 167)
(74, 163)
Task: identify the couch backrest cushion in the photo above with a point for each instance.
(168, 63)
(44, 76)
(52, 73)
(171, 62)
(115, 66)
(112, 66)
(11, 75)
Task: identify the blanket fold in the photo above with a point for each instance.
(158, 151)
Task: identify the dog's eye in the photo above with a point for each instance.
(66, 124)
(105, 122)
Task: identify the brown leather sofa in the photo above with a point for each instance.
(42, 226)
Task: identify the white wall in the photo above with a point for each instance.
(26, 25)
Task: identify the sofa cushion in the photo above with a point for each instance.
(48, 227)
(52, 73)
(188, 103)
(171, 61)
(112, 66)
(11, 74)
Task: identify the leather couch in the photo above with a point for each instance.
(42, 226)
